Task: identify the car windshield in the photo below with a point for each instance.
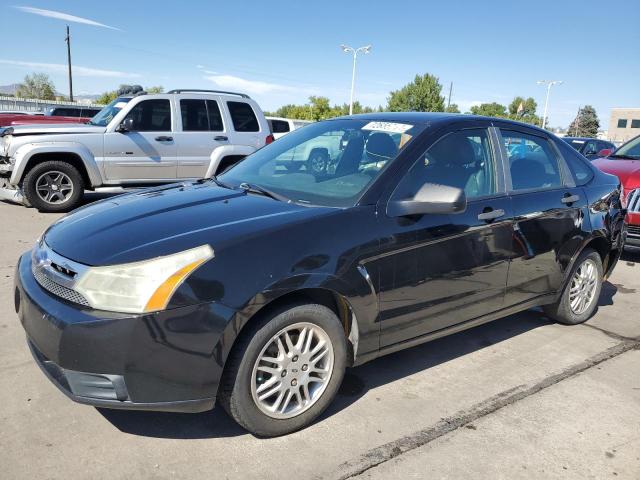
(104, 116)
(577, 144)
(629, 150)
(328, 163)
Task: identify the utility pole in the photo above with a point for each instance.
(449, 100)
(68, 40)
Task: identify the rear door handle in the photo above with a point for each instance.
(221, 138)
(164, 138)
(491, 215)
(570, 199)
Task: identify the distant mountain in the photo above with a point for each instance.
(10, 89)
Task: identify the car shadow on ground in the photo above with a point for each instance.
(357, 382)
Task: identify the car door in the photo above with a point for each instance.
(200, 132)
(147, 151)
(548, 214)
(436, 271)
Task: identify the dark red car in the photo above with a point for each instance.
(13, 119)
(625, 164)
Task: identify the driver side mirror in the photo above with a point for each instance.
(431, 198)
(125, 126)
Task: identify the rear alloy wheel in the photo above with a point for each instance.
(285, 370)
(580, 296)
(53, 186)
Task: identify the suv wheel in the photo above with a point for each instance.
(580, 296)
(285, 371)
(317, 162)
(53, 186)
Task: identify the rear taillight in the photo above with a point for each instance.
(269, 139)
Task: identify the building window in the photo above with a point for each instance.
(635, 123)
(622, 123)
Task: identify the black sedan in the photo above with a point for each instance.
(591, 148)
(256, 289)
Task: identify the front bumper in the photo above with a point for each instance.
(633, 236)
(166, 361)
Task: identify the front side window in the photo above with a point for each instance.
(151, 116)
(462, 159)
(533, 163)
(622, 123)
(243, 117)
(336, 160)
(629, 150)
(104, 116)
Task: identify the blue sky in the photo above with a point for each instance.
(283, 51)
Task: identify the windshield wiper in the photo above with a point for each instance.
(253, 188)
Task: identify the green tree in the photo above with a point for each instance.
(524, 110)
(37, 85)
(586, 123)
(453, 108)
(125, 89)
(421, 95)
(489, 110)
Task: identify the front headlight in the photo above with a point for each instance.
(140, 287)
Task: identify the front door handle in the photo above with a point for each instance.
(570, 199)
(164, 138)
(491, 215)
(221, 138)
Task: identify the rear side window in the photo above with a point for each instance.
(200, 115)
(581, 171)
(532, 161)
(279, 126)
(151, 116)
(243, 117)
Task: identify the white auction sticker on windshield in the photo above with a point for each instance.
(390, 127)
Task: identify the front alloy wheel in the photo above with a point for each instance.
(285, 369)
(292, 370)
(583, 287)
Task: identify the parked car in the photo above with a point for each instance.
(135, 140)
(281, 126)
(15, 119)
(625, 164)
(72, 111)
(591, 148)
(255, 289)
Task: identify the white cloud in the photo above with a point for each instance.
(211, 72)
(64, 16)
(254, 87)
(200, 67)
(77, 70)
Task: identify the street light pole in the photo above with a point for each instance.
(549, 84)
(346, 49)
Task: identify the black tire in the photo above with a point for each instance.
(561, 311)
(235, 394)
(39, 171)
(318, 161)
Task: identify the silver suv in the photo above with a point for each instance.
(135, 140)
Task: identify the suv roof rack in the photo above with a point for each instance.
(197, 90)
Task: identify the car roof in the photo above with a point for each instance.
(435, 118)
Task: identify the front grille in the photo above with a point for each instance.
(633, 230)
(633, 201)
(57, 289)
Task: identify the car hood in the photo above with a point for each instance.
(55, 128)
(628, 171)
(165, 220)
